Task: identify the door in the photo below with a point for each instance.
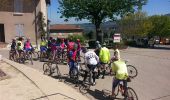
(2, 33)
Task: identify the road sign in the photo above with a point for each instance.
(116, 37)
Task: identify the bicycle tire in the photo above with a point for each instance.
(30, 55)
(131, 94)
(132, 71)
(47, 68)
(35, 55)
(84, 88)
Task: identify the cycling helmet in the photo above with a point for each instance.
(78, 40)
(97, 42)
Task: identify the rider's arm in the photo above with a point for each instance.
(97, 58)
(114, 69)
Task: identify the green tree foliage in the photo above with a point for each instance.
(161, 26)
(41, 24)
(97, 11)
(136, 24)
(74, 37)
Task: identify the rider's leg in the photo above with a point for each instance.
(104, 70)
(115, 82)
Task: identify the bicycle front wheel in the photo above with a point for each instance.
(131, 94)
(132, 71)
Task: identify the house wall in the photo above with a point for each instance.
(9, 18)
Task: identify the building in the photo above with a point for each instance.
(19, 18)
(63, 30)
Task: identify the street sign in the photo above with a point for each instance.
(116, 37)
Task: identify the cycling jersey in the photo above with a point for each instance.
(43, 43)
(91, 58)
(53, 47)
(27, 45)
(19, 45)
(72, 55)
(71, 46)
(104, 55)
(121, 69)
(62, 45)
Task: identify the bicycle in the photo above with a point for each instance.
(13, 55)
(28, 56)
(85, 86)
(50, 68)
(132, 71)
(35, 53)
(75, 72)
(128, 94)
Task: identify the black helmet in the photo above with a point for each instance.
(84, 50)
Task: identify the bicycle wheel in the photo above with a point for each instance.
(47, 68)
(35, 55)
(131, 94)
(30, 57)
(132, 71)
(83, 88)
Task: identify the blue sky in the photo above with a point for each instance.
(153, 7)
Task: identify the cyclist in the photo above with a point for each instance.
(43, 45)
(72, 59)
(62, 46)
(104, 56)
(19, 46)
(28, 45)
(116, 52)
(98, 47)
(49, 45)
(78, 49)
(13, 45)
(120, 69)
(91, 61)
(53, 48)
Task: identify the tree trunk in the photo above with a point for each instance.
(98, 33)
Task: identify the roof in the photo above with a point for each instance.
(65, 27)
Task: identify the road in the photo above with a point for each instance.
(152, 82)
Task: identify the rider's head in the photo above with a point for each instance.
(28, 39)
(50, 38)
(53, 40)
(13, 40)
(62, 40)
(20, 38)
(84, 50)
(97, 42)
(78, 40)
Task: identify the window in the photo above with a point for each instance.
(19, 30)
(18, 6)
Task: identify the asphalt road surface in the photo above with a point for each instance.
(152, 82)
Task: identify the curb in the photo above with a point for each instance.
(51, 88)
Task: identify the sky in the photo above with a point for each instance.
(153, 7)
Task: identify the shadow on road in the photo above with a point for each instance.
(159, 98)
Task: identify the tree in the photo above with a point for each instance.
(41, 25)
(161, 26)
(97, 11)
(136, 24)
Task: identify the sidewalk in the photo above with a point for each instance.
(41, 86)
